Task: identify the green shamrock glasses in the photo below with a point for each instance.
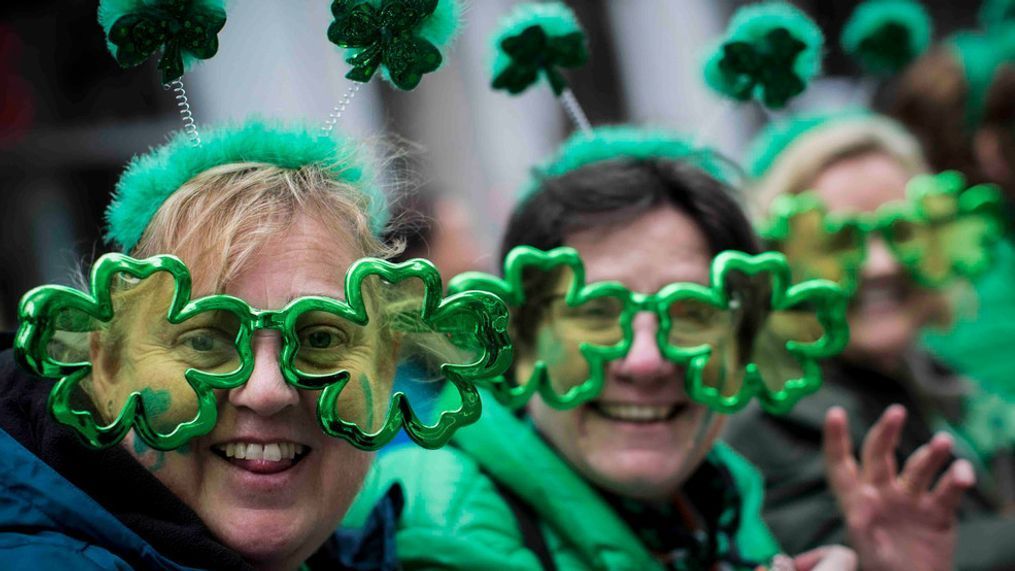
(748, 333)
(943, 231)
(137, 352)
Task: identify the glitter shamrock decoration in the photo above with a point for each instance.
(770, 53)
(184, 30)
(883, 36)
(583, 333)
(750, 333)
(402, 37)
(535, 41)
(137, 353)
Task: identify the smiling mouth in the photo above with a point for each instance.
(268, 458)
(637, 413)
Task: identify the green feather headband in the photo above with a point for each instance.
(151, 178)
(884, 36)
(626, 142)
(770, 52)
(778, 136)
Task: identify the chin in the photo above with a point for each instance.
(640, 474)
(265, 537)
(881, 339)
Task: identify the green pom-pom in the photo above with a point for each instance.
(404, 39)
(997, 13)
(183, 30)
(627, 142)
(532, 42)
(770, 52)
(884, 36)
(777, 136)
(151, 178)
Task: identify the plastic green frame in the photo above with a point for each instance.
(829, 302)
(980, 200)
(471, 313)
(828, 298)
(510, 289)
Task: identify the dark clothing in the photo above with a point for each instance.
(800, 508)
(64, 505)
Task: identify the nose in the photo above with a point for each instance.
(880, 261)
(644, 364)
(265, 393)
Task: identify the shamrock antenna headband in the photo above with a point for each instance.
(184, 30)
(533, 43)
(404, 39)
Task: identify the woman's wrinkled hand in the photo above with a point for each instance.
(895, 520)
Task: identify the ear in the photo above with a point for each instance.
(988, 150)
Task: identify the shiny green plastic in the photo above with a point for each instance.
(771, 335)
(943, 231)
(511, 289)
(50, 314)
(789, 327)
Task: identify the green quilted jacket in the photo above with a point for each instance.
(455, 517)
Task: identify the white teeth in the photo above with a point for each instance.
(272, 452)
(636, 412)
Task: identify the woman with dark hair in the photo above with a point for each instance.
(634, 478)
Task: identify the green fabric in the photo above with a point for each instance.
(151, 178)
(979, 343)
(800, 509)
(883, 36)
(455, 518)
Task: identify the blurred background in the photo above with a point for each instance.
(70, 118)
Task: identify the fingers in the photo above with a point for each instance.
(827, 558)
(959, 478)
(878, 454)
(922, 465)
(839, 464)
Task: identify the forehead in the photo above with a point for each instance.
(306, 259)
(861, 183)
(659, 247)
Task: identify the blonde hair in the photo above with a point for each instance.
(812, 152)
(247, 204)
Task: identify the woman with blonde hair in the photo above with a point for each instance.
(836, 185)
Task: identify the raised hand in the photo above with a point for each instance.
(895, 520)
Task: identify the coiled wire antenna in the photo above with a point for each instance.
(183, 106)
(338, 110)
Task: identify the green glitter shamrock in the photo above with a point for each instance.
(180, 28)
(751, 333)
(535, 40)
(385, 36)
(519, 265)
(770, 52)
(219, 355)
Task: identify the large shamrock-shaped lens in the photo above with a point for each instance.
(751, 333)
(945, 231)
(393, 312)
(818, 246)
(568, 330)
(134, 352)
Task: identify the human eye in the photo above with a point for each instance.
(321, 337)
(205, 347)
